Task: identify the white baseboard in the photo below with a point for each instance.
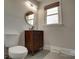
(60, 50)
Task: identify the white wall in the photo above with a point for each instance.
(14, 23)
(60, 36)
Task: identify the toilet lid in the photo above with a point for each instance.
(18, 49)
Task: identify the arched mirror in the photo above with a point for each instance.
(29, 18)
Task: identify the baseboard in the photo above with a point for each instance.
(60, 50)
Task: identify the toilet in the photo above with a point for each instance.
(14, 50)
(18, 52)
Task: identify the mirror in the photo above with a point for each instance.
(29, 18)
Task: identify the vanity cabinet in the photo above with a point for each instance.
(33, 40)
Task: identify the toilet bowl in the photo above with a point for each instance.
(17, 52)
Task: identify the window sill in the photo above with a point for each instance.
(55, 25)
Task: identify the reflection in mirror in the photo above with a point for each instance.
(29, 18)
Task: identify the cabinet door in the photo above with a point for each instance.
(41, 38)
(37, 39)
(28, 40)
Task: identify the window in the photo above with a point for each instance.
(52, 16)
(52, 13)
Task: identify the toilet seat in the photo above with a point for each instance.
(18, 49)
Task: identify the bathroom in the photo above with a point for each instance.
(57, 38)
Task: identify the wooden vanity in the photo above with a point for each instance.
(33, 40)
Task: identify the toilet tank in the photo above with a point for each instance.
(11, 40)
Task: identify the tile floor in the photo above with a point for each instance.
(48, 55)
(38, 55)
(58, 56)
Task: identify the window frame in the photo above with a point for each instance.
(55, 4)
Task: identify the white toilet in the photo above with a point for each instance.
(15, 51)
(18, 52)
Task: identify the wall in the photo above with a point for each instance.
(14, 23)
(60, 36)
